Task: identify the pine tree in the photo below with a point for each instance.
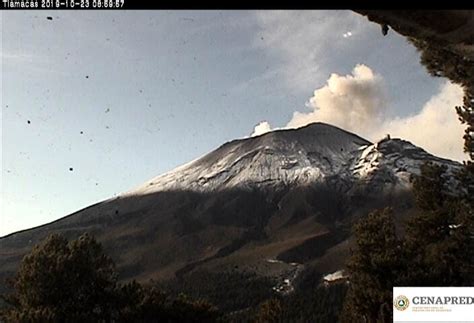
(440, 60)
(374, 268)
(269, 311)
(466, 116)
(438, 238)
(63, 282)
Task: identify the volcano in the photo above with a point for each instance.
(270, 205)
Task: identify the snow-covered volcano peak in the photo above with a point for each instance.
(316, 153)
(316, 137)
(302, 155)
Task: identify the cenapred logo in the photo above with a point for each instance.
(401, 303)
(433, 304)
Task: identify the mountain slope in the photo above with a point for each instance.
(258, 204)
(287, 157)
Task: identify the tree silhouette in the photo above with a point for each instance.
(61, 281)
(438, 238)
(374, 267)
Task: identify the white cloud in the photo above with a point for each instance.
(358, 103)
(436, 127)
(354, 102)
(261, 128)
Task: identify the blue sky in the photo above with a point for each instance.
(151, 90)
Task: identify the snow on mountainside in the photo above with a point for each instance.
(317, 153)
(391, 162)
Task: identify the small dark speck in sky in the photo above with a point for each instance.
(107, 127)
(70, 169)
(82, 132)
(107, 110)
(29, 122)
(141, 91)
(87, 76)
(261, 38)
(49, 18)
